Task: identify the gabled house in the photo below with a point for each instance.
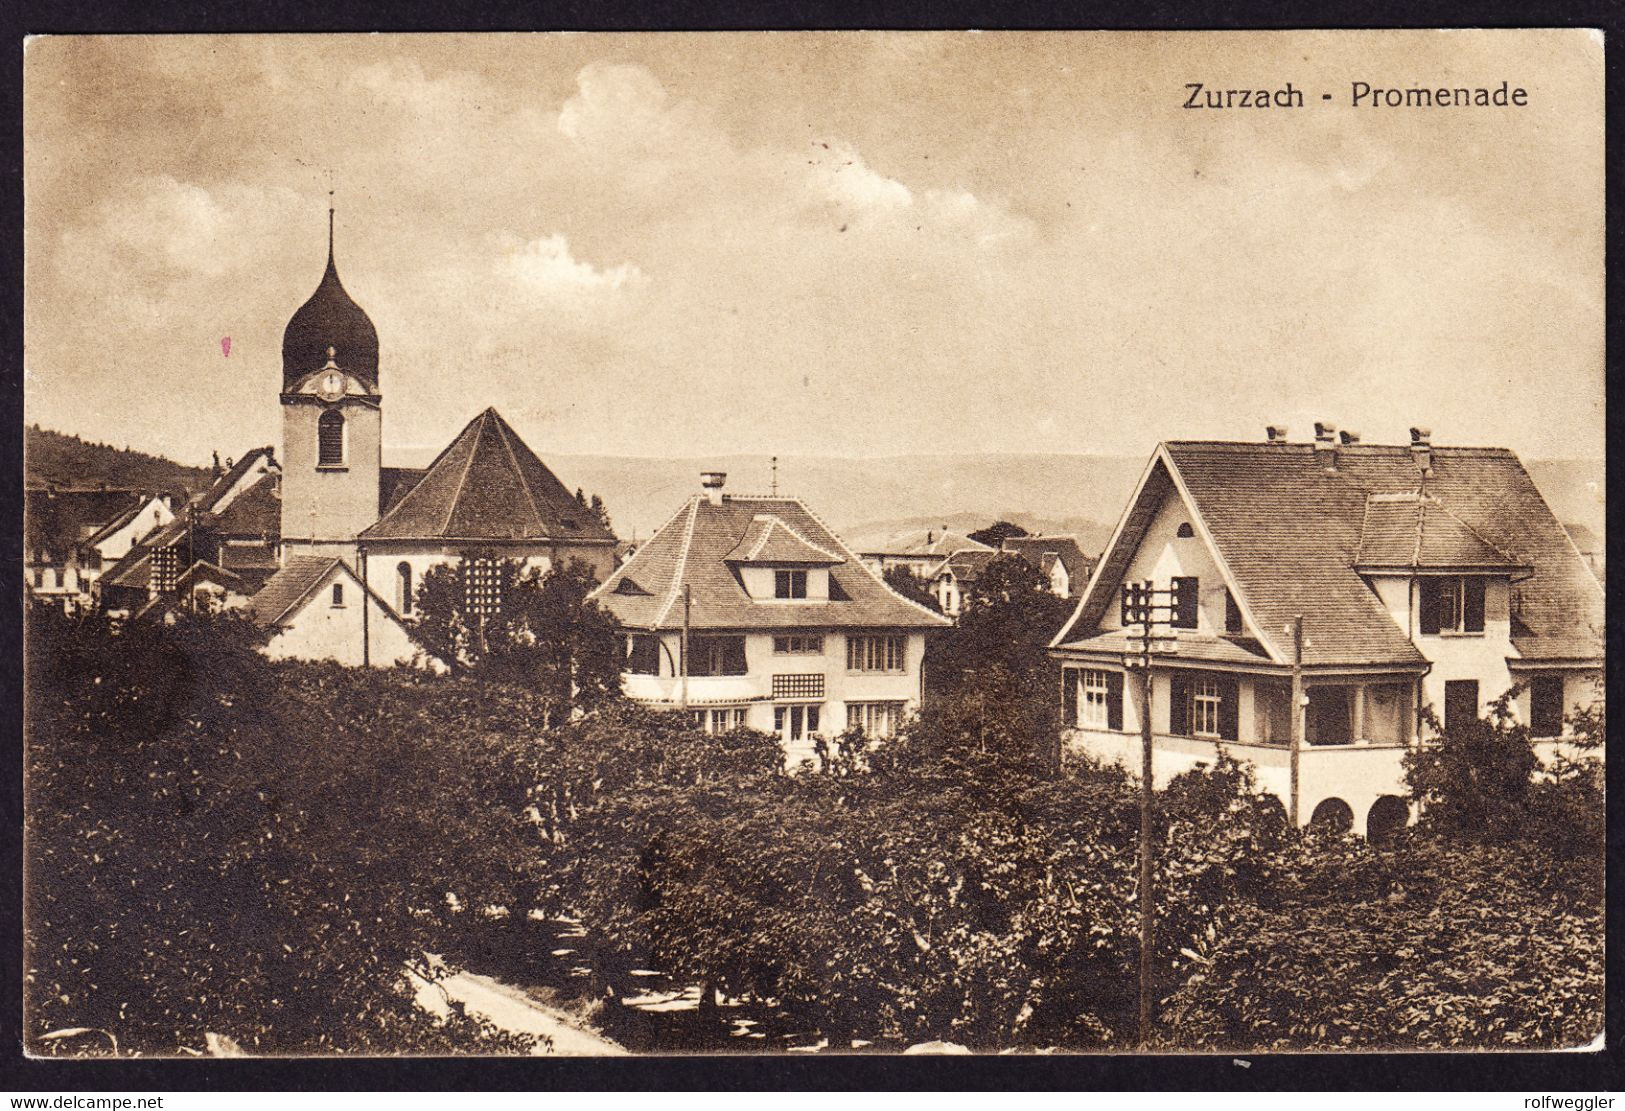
(233, 526)
(1060, 559)
(318, 609)
(748, 611)
(954, 579)
(1425, 577)
(922, 552)
(71, 536)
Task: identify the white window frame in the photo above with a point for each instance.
(1094, 693)
(798, 644)
(1206, 700)
(883, 654)
(876, 719)
(791, 578)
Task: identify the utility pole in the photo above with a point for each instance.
(1297, 713)
(688, 600)
(1141, 605)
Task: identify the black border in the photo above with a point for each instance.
(1530, 1073)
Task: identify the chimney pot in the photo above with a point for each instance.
(1326, 445)
(1275, 434)
(1422, 449)
(712, 482)
(1349, 436)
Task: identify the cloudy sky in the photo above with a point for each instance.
(829, 244)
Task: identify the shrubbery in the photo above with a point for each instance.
(216, 843)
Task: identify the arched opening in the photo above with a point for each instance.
(330, 439)
(1333, 815)
(403, 588)
(1388, 815)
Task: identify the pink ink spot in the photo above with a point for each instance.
(225, 346)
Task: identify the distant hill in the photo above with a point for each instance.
(57, 459)
(861, 498)
(1576, 489)
(1063, 493)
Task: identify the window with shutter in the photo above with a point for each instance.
(1179, 693)
(1451, 604)
(1472, 605)
(330, 439)
(1185, 615)
(1114, 700)
(1427, 606)
(1229, 700)
(1546, 706)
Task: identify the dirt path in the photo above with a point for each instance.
(510, 1009)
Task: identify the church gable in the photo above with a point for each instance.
(488, 485)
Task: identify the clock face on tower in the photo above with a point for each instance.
(331, 386)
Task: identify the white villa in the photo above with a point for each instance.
(1425, 577)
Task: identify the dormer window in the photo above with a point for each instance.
(1451, 604)
(789, 584)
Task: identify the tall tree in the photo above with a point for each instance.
(911, 586)
(493, 617)
(994, 535)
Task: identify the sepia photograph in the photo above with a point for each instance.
(810, 544)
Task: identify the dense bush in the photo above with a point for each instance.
(218, 844)
(1434, 944)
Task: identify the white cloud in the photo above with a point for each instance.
(839, 175)
(546, 266)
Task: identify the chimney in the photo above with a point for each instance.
(1422, 449)
(1349, 436)
(711, 482)
(1275, 434)
(1326, 445)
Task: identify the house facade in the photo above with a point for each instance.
(70, 537)
(1426, 578)
(786, 630)
(1060, 558)
(316, 608)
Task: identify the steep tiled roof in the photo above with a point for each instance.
(393, 484)
(1290, 534)
(288, 587)
(257, 511)
(208, 501)
(923, 542)
(1064, 548)
(770, 540)
(204, 571)
(968, 563)
(692, 549)
(488, 485)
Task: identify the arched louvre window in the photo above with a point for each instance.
(403, 588)
(330, 439)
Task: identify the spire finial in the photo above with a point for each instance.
(330, 217)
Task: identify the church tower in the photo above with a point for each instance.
(332, 425)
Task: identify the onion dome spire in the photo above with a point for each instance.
(329, 321)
